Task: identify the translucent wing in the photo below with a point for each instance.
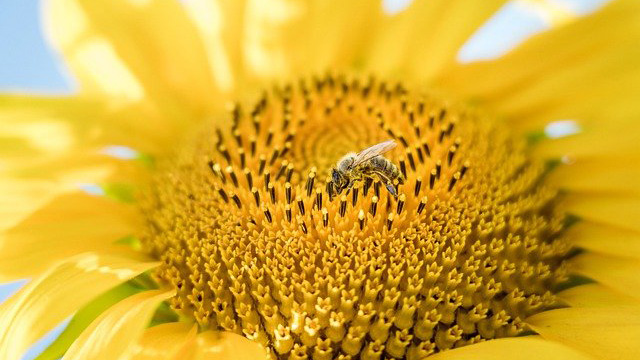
(373, 151)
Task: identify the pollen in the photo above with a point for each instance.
(253, 242)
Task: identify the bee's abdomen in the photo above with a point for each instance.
(395, 173)
(387, 167)
(379, 163)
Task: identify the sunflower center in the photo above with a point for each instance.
(255, 244)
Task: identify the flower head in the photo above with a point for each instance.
(255, 244)
(223, 237)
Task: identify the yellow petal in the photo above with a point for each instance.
(153, 48)
(611, 175)
(435, 45)
(595, 295)
(35, 129)
(23, 196)
(86, 314)
(45, 128)
(222, 345)
(270, 27)
(163, 341)
(603, 332)
(252, 41)
(617, 210)
(283, 39)
(334, 35)
(115, 332)
(604, 239)
(518, 348)
(585, 70)
(69, 225)
(616, 273)
(425, 38)
(221, 26)
(20, 198)
(613, 139)
(50, 298)
(92, 59)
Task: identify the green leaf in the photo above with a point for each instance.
(535, 137)
(84, 317)
(147, 160)
(573, 281)
(131, 241)
(163, 314)
(119, 191)
(144, 281)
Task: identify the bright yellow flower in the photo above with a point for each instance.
(220, 239)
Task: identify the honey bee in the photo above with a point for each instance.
(367, 164)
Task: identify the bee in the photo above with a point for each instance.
(367, 164)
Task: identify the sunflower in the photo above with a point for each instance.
(180, 204)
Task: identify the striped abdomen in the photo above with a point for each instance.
(386, 168)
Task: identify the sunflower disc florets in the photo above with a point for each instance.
(255, 244)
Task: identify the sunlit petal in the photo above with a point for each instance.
(603, 332)
(601, 175)
(152, 49)
(595, 295)
(586, 69)
(50, 298)
(222, 345)
(163, 341)
(619, 210)
(423, 40)
(617, 273)
(115, 332)
(605, 239)
(521, 348)
(68, 225)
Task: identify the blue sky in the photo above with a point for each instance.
(28, 64)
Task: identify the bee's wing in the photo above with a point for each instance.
(373, 151)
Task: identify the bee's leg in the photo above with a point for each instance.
(387, 183)
(330, 189)
(396, 184)
(350, 184)
(391, 189)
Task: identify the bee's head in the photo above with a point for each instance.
(339, 181)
